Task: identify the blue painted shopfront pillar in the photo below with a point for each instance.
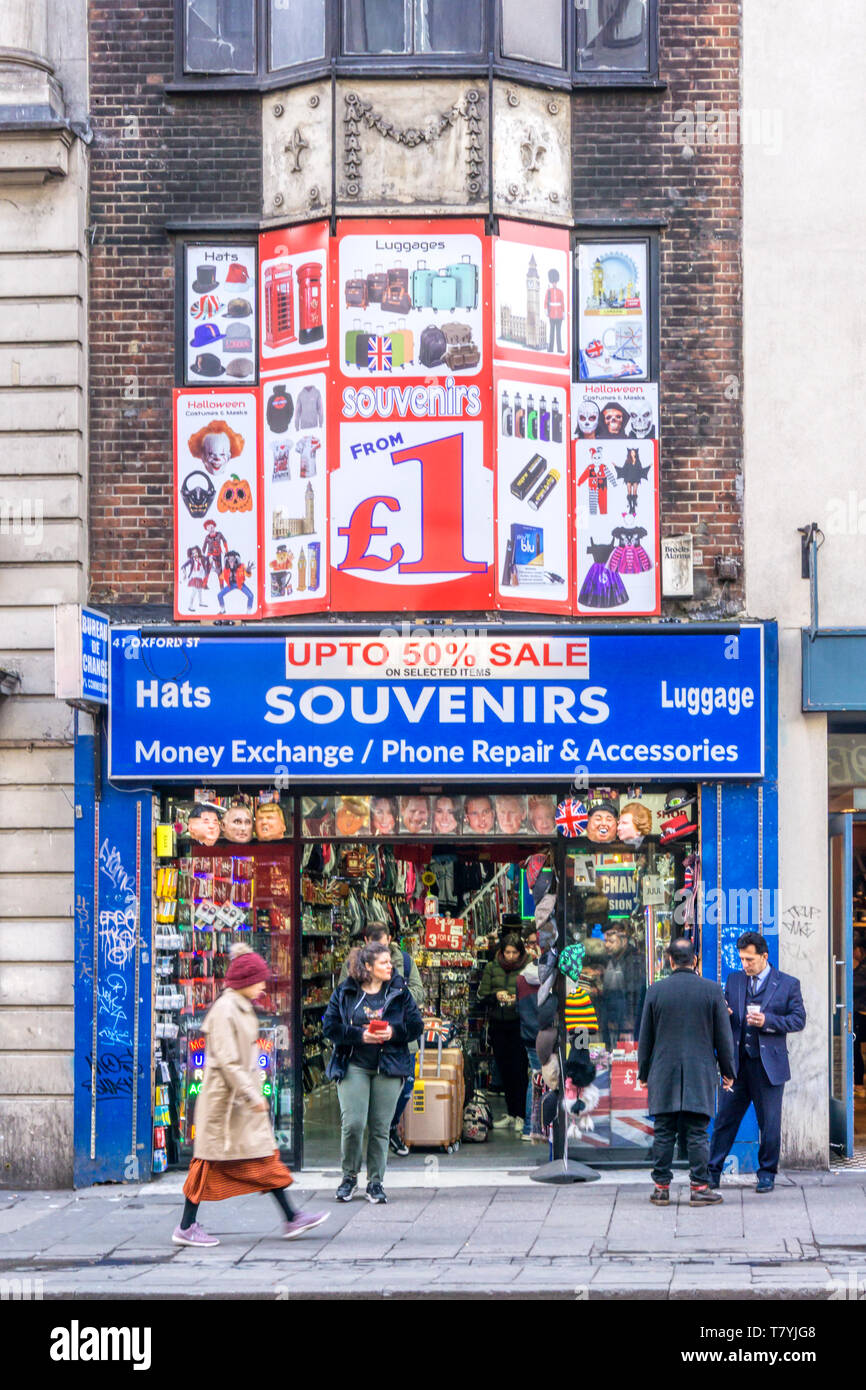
(740, 870)
(113, 1012)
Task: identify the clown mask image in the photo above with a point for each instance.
(238, 825)
(270, 822)
(601, 825)
(204, 825)
(215, 452)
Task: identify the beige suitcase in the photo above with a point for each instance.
(445, 1064)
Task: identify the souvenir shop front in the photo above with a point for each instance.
(291, 788)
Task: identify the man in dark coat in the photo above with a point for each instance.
(685, 1039)
(765, 1005)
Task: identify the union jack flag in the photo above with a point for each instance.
(379, 354)
(571, 818)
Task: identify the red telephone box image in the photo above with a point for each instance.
(309, 302)
(280, 304)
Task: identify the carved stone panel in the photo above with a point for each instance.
(296, 153)
(531, 153)
(412, 147)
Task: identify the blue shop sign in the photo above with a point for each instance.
(501, 705)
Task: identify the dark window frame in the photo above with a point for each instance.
(568, 77)
(603, 235)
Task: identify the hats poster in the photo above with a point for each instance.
(216, 570)
(221, 329)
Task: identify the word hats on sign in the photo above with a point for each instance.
(239, 309)
(571, 818)
(207, 365)
(205, 333)
(237, 275)
(205, 279)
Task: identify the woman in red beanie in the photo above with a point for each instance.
(235, 1150)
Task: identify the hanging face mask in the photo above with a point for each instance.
(197, 497)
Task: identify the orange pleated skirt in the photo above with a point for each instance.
(209, 1180)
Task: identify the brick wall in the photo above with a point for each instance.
(157, 157)
(629, 163)
(154, 158)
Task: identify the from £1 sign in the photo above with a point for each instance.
(444, 933)
(510, 706)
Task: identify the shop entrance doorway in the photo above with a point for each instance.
(847, 1028)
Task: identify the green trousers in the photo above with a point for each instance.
(367, 1101)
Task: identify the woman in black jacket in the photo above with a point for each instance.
(371, 1019)
(499, 989)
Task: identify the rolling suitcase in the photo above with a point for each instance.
(422, 286)
(356, 292)
(428, 1120)
(466, 275)
(446, 1065)
(443, 292)
(374, 352)
(376, 285)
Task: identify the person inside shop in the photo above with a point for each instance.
(528, 984)
(371, 1019)
(621, 987)
(235, 1150)
(499, 989)
(859, 1001)
(765, 1005)
(402, 964)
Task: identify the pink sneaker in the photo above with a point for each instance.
(193, 1235)
(303, 1221)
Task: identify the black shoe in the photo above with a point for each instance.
(765, 1184)
(376, 1193)
(704, 1197)
(714, 1182)
(346, 1190)
(660, 1196)
(396, 1145)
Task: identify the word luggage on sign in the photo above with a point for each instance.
(616, 486)
(410, 305)
(612, 310)
(216, 506)
(220, 326)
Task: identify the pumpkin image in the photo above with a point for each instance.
(236, 495)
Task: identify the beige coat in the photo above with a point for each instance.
(227, 1128)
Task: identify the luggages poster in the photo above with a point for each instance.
(216, 508)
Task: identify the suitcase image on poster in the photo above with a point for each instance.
(373, 351)
(422, 286)
(397, 277)
(456, 333)
(376, 284)
(352, 336)
(356, 292)
(462, 357)
(433, 347)
(396, 300)
(466, 275)
(408, 340)
(443, 292)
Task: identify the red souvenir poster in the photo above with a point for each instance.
(532, 296)
(411, 478)
(533, 491)
(293, 287)
(216, 472)
(616, 498)
(294, 493)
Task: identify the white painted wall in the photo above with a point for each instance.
(805, 368)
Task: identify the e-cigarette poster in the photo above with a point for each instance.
(293, 291)
(220, 315)
(532, 295)
(533, 492)
(612, 310)
(216, 568)
(412, 299)
(294, 522)
(615, 431)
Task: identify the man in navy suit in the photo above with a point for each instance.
(764, 1006)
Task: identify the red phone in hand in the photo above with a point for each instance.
(378, 1025)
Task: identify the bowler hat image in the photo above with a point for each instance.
(205, 279)
(241, 367)
(205, 333)
(238, 274)
(238, 338)
(239, 309)
(207, 365)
